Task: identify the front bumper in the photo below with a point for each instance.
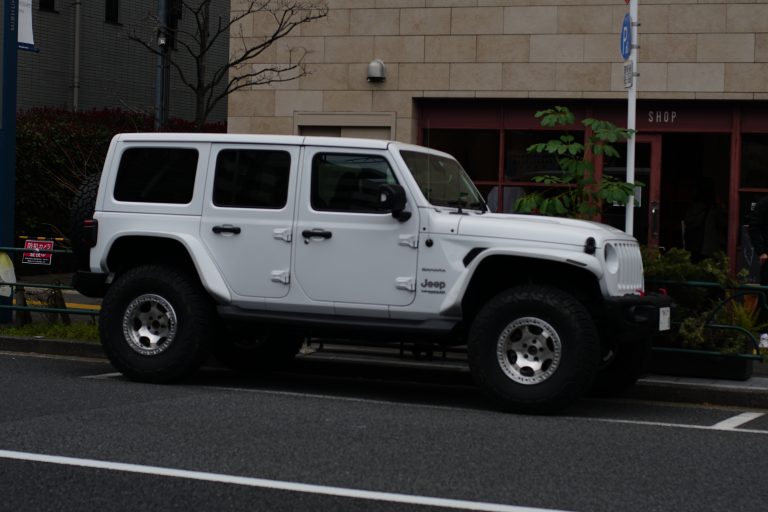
(634, 316)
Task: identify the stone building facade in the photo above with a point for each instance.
(468, 75)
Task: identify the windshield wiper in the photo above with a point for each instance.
(459, 203)
(480, 205)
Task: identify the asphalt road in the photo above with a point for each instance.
(75, 436)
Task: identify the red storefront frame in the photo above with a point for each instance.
(654, 117)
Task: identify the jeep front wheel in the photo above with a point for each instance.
(533, 349)
(156, 324)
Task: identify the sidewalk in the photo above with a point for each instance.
(752, 393)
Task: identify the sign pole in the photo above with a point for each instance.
(8, 134)
(631, 112)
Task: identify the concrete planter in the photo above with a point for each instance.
(701, 364)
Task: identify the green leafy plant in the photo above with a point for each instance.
(727, 328)
(575, 192)
(713, 308)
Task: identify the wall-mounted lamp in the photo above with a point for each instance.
(376, 71)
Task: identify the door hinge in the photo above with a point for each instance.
(282, 234)
(405, 283)
(409, 241)
(281, 276)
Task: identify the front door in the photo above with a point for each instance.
(647, 214)
(348, 250)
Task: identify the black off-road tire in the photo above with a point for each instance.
(156, 324)
(82, 208)
(257, 352)
(533, 349)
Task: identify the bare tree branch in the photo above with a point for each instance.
(196, 37)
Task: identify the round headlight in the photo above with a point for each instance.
(611, 259)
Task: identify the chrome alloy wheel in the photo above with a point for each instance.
(529, 350)
(149, 324)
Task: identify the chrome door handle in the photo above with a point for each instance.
(227, 228)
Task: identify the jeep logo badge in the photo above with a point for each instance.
(437, 287)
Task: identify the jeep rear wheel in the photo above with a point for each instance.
(533, 349)
(156, 324)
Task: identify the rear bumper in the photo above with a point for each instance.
(91, 284)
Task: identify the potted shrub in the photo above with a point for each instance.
(717, 318)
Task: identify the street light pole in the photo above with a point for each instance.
(632, 117)
(8, 134)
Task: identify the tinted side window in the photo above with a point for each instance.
(349, 183)
(249, 178)
(156, 175)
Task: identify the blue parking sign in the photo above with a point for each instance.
(625, 44)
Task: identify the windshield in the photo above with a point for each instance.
(443, 181)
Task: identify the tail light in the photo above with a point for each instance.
(90, 232)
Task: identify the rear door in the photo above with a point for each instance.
(248, 216)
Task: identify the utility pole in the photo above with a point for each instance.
(162, 75)
(8, 134)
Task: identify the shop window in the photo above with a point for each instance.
(502, 199)
(112, 11)
(48, 5)
(754, 160)
(476, 150)
(521, 165)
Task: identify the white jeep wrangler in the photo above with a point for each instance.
(245, 244)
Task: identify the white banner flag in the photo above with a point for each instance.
(26, 39)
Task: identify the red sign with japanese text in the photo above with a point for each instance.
(36, 257)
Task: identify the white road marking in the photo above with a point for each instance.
(736, 421)
(103, 376)
(451, 408)
(268, 484)
(671, 425)
(729, 425)
(299, 394)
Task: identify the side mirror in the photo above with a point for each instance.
(392, 198)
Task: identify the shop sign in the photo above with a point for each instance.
(662, 116)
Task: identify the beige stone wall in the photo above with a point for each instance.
(689, 49)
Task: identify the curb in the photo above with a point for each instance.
(752, 393)
(51, 346)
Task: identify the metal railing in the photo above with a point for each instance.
(56, 303)
(731, 295)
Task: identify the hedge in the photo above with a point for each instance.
(56, 149)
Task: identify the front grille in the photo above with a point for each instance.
(630, 278)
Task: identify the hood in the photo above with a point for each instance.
(538, 228)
